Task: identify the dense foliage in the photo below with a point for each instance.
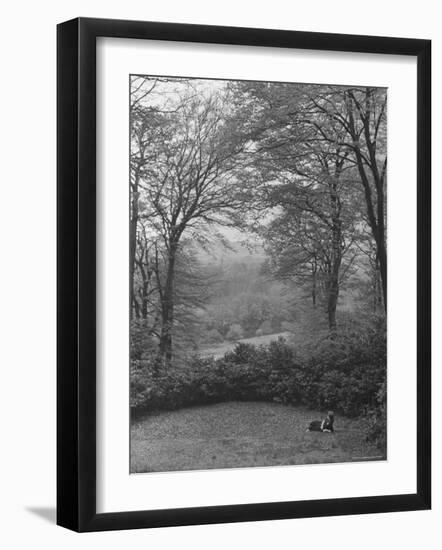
(346, 373)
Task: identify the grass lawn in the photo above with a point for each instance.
(242, 434)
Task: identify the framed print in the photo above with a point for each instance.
(234, 207)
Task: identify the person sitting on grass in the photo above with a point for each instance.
(325, 425)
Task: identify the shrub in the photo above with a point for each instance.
(243, 353)
(141, 343)
(235, 332)
(266, 327)
(377, 419)
(346, 374)
(213, 337)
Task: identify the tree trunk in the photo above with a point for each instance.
(136, 308)
(133, 244)
(144, 302)
(333, 286)
(333, 294)
(167, 308)
(382, 258)
(376, 216)
(143, 268)
(314, 290)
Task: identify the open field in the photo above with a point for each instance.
(242, 434)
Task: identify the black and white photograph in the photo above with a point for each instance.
(258, 273)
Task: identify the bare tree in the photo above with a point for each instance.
(187, 183)
(306, 180)
(356, 119)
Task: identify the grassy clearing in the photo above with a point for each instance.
(241, 434)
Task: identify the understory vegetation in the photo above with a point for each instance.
(346, 373)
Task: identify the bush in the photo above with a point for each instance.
(141, 343)
(213, 337)
(266, 327)
(235, 332)
(377, 419)
(346, 374)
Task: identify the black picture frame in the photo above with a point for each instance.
(76, 274)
